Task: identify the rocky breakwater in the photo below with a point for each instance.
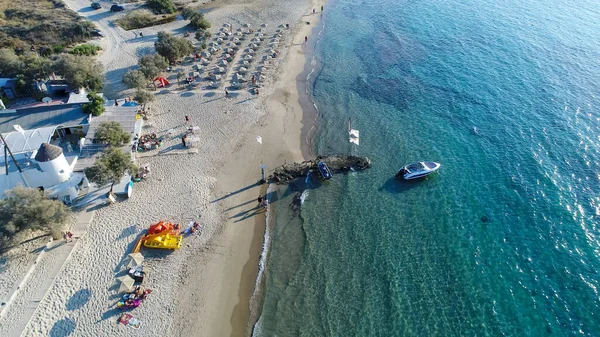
(336, 163)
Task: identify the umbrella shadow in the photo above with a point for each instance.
(63, 328)
(79, 299)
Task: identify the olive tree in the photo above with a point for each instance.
(26, 209)
(80, 71)
(135, 79)
(95, 106)
(171, 47)
(112, 133)
(110, 167)
(152, 65)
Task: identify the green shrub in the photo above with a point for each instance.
(85, 49)
(24, 209)
(152, 65)
(95, 106)
(135, 79)
(187, 13)
(136, 20)
(143, 96)
(79, 71)
(112, 133)
(162, 6)
(171, 47)
(110, 166)
(199, 22)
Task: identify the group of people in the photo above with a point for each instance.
(134, 299)
(263, 202)
(146, 142)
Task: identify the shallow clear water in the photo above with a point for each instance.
(505, 239)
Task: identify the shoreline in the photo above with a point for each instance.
(286, 128)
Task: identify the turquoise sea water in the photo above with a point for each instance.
(505, 240)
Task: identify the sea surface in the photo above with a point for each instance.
(505, 239)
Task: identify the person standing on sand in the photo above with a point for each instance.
(314, 12)
(321, 9)
(260, 201)
(187, 119)
(226, 93)
(305, 39)
(183, 141)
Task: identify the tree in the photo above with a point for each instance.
(161, 6)
(80, 71)
(143, 96)
(171, 47)
(95, 106)
(199, 22)
(187, 13)
(135, 79)
(152, 65)
(26, 208)
(112, 133)
(110, 167)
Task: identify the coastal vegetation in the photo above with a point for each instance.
(46, 24)
(111, 133)
(85, 49)
(78, 71)
(150, 66)
(143, 96)
(143, 18)
(110, 167)
(161, 6)
(172, 47)
(197, 19)
(96, 105)
(27, 209)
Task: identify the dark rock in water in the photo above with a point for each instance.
(485, 219)
(336, 163)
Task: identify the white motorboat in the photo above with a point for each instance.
(418, 170)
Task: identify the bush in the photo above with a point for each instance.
(143, 96)
(80, 71)
(112, 133)
(171, 47)
(41, 23)
(135, 79)
(152, 65)
(110, 167)
(85, 49)
(26, 209)
(187, 13)
(199, 22)
(136, 20)
(162, 6)
(95, 106)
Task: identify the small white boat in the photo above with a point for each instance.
(418, 170)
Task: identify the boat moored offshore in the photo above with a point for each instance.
(417, 170)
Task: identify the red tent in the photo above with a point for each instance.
(162, 82)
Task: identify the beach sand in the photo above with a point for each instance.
(205, 288)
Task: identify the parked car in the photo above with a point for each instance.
(116, 8)
(96, 5)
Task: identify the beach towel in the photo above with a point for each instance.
(129, 320)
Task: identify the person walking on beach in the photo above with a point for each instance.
(226, 93)
(314, 12)
(187, 119)
(141, 34)
(305, 39)
(321, 9)
(183, 141)
(260, 201)
(69, 237)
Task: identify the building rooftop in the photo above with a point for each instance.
(39, 117)
(48, 152)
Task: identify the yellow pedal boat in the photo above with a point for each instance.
(163, 241)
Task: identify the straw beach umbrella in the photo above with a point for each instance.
(125, 283)
(135, 259)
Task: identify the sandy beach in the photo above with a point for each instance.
(205, 288)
